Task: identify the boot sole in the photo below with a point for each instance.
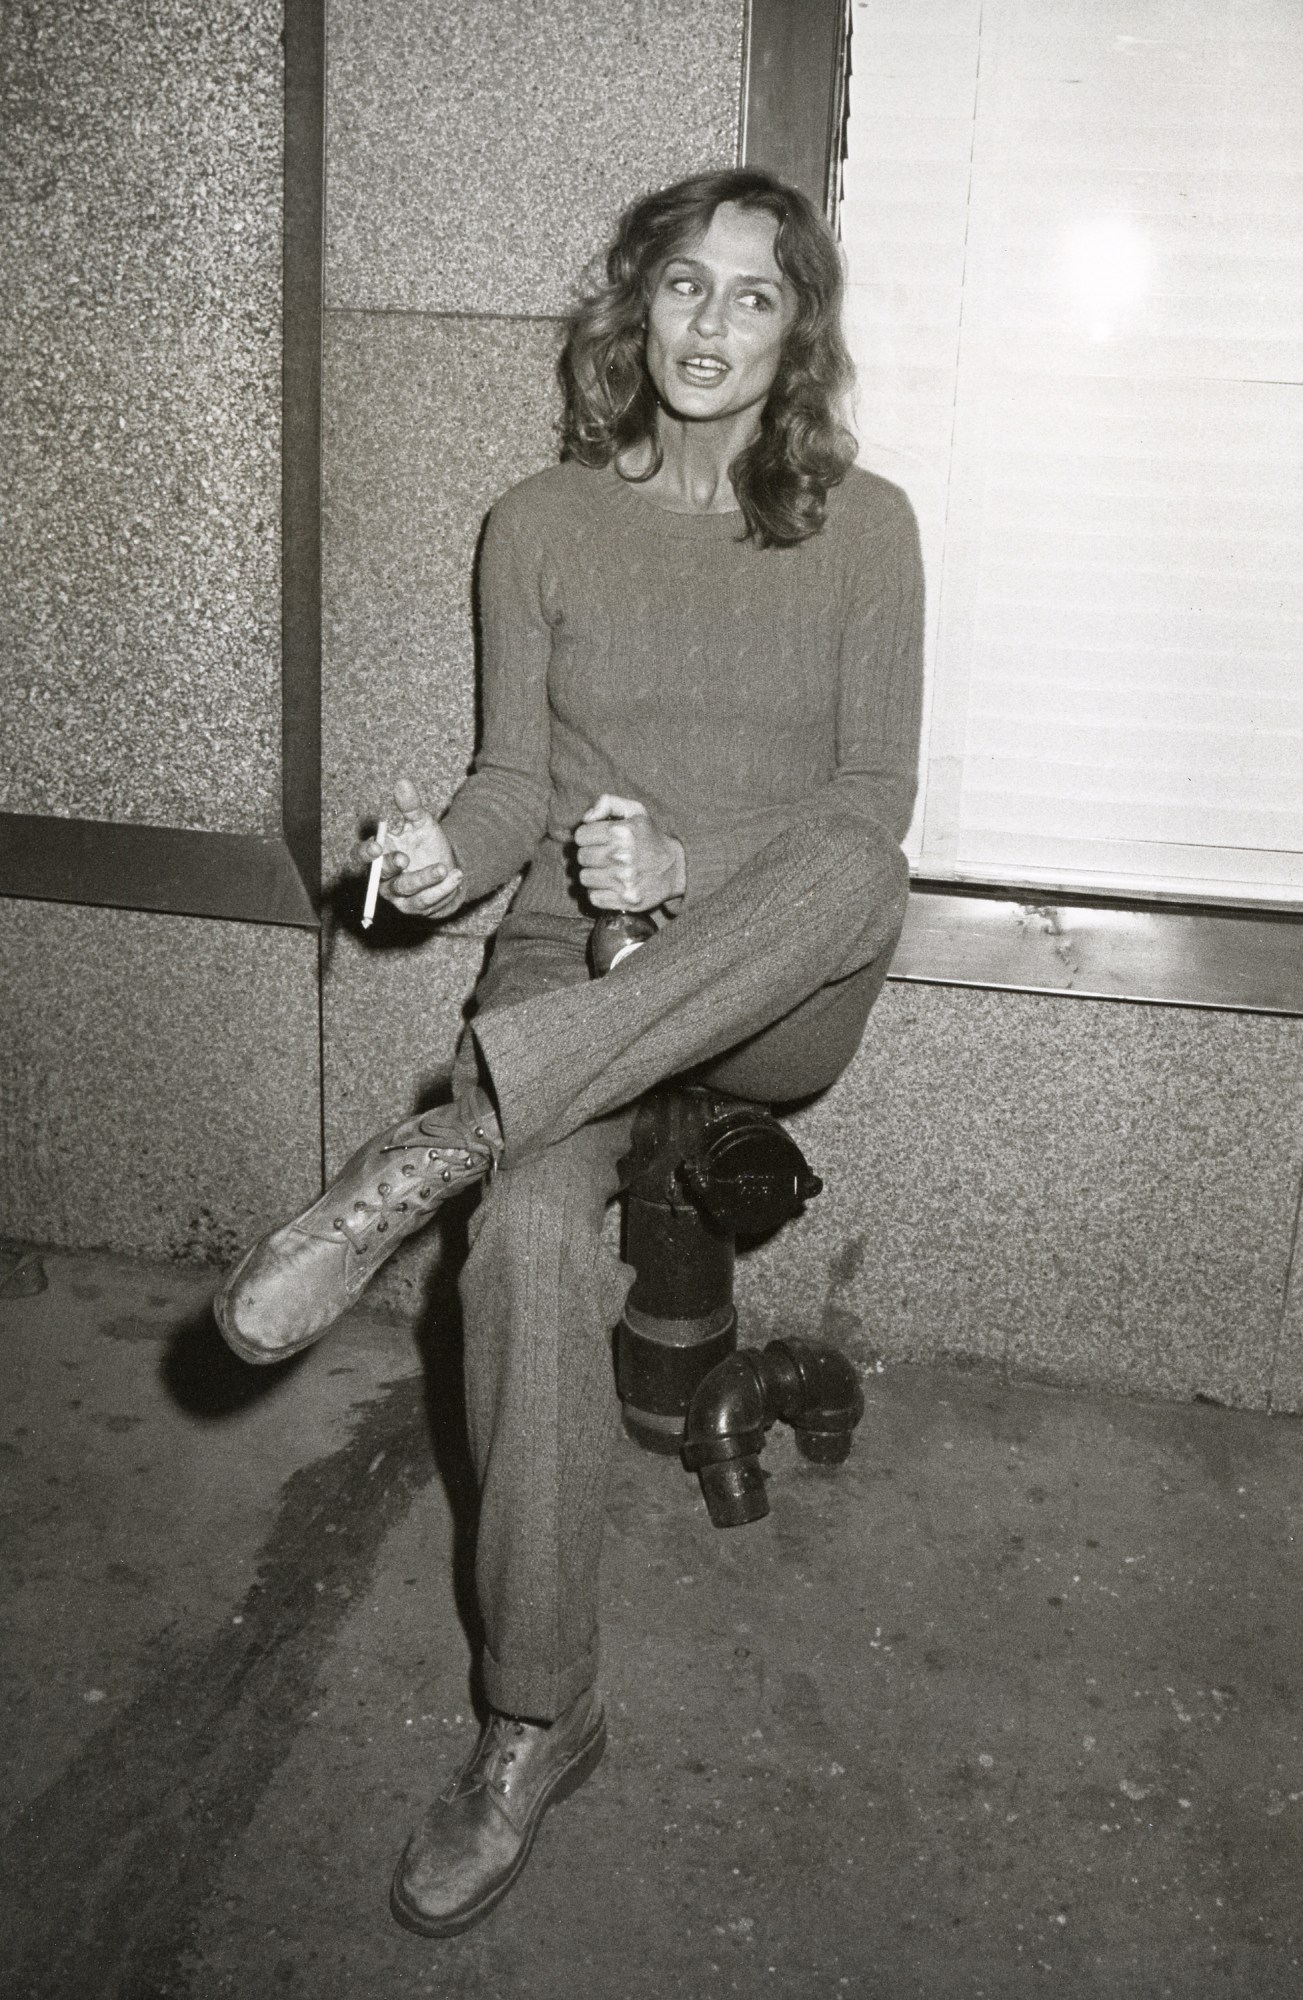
(567, 1780)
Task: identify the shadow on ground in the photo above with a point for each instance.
(1010, 1704)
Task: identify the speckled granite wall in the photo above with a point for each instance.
(479, 152)
(158, 1079)
(427, 421)
(1287, 1376)
(140, 201)
(1083, 1191)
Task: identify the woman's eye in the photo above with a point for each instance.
(758, 301)
(683, 286)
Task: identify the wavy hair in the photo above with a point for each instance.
(783, 477)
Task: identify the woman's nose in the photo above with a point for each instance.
(709, 316)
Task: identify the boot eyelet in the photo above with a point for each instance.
(383, 1188)
(423, 1194)
(381, 1226)
(446, 1175)
(338, 1222)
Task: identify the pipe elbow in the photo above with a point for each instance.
(726, 1416)
(814, 1388)
(722, 1440)
(819, 1395)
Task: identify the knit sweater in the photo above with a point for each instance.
(732, 690)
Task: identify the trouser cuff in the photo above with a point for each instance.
(536, 1694)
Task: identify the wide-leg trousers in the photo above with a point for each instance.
(761, 989)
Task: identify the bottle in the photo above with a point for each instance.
(615, 934)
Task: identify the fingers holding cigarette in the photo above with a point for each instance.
(432, 889)
(423, 892)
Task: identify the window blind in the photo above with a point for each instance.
(1074, 235)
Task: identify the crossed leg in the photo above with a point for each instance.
(542, 1289)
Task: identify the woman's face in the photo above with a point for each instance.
(717, 319)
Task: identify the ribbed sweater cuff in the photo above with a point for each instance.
(485, 862)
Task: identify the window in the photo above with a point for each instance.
(1075, 240)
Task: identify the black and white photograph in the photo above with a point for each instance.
(651, 999)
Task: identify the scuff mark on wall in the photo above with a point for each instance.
(839, 1324)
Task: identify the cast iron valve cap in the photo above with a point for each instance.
(749, 1175)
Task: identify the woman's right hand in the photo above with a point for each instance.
(418, 873)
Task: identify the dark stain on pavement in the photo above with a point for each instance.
(107, 1870)
(130, 1326)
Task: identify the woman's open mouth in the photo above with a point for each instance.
(703, 370)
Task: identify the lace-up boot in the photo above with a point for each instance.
(295, 1282)
(476, 1837)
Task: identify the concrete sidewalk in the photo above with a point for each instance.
(1010, 1704)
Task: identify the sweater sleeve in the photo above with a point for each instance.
(880, 694)
(879, 701)
(499, 813)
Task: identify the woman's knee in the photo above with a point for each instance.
(858, 886)
(851, 865)
(864, 855)
(805, 1051)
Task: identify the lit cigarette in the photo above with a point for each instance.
(373, 880)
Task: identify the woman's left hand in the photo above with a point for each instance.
(625, 861)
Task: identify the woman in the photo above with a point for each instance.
(702, 642)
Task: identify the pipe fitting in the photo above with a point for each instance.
(728, 1415)
(827, 1402)
(812, 1387)
(723, 1438)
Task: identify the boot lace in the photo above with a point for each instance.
(496, 1750)
(457, 1152)
(398, 1202)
